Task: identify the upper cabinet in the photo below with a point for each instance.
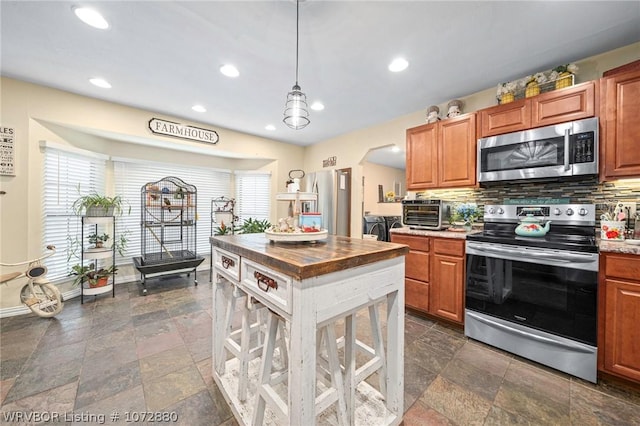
(442, 154)
(558, 106)
(620, 126)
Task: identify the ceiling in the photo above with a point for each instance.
(165, 56)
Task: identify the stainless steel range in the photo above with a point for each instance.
(536, 296)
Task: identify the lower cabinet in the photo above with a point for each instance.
(434, 275)
(619, 316)
(447, 278)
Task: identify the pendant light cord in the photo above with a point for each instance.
(297, 35)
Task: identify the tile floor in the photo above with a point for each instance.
(133, 353)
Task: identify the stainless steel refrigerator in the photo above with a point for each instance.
(334, 198)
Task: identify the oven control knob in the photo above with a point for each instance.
(582, 212)
(491, 210)
(500, 210)
(569, 212)
(557, 211)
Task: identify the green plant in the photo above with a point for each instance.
(90, 273)
(253, 226)
(98, 239)
(223, 229)
(93, 199)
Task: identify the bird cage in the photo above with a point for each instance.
(168, 228)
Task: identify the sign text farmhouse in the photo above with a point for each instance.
(178, 130)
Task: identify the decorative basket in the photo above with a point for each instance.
(535, 88)
(612, 229)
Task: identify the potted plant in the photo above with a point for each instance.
(98, 240)
(254, 226)
(94, 204)
(95, 277)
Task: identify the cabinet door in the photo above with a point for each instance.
(416, 294)
(447, 286)
(417, 265)
(622, 333)
(457, 152)
(559, 106)
(505, 118)
(620, 136)
(421, 157)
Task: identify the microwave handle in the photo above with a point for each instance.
(567, 166)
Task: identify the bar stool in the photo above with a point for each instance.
(266, 392)
(377, 360)
(239, 341)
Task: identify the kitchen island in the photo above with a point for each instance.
(311, 285)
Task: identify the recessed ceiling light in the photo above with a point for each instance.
(317, 106)
(199, 108)
(270, 127)
(398, 64)
(91, 17)
(100, 82)
(229, 70)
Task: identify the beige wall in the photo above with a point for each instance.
(375, 175)
(352, 147)
(38, 113)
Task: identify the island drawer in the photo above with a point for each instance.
(228, 264)
(271, 288)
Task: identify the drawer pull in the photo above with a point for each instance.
(264, 282)
(226, 262)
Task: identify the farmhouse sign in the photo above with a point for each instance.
(169, 128)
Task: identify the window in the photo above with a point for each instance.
(64, 173)
(253, 195)
(130, 177)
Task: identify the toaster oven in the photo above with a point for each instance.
(425, 214)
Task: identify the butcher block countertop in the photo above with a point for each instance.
(302, 260)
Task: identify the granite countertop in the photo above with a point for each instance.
(608, 246)
(302, 260)
(458, 235)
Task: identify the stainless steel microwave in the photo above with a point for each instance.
(425, 214)
(561, 150)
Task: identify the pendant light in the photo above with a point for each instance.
(296, 112)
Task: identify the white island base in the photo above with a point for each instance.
(370, 408)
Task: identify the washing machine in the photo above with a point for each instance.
(375, 225)
(392, 222)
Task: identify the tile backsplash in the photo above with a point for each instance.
(582, 191)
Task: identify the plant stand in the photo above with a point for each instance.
(222, 212)
(103, 254)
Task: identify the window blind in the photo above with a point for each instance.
(64, 174)
(253, 195)
(130, 177)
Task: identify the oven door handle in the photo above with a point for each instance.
(527, 335)
(527, 255)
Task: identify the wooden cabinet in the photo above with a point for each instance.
(422, 156)
(620, 127)
(558, 106)
(442, 154)
(416, 272)
(434, 275)
(447, 279)
(619, 315)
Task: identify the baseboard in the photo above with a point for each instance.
(68, 295)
